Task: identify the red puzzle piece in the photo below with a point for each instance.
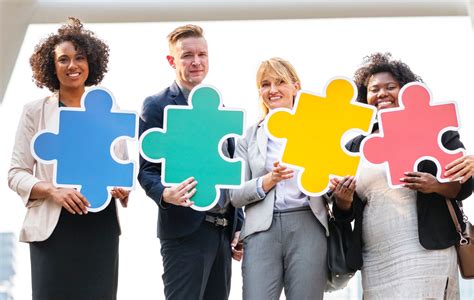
(412, 133)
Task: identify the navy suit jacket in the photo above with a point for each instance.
(173, 221)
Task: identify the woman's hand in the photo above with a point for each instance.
(278, 174)
(73, 201)
(427, 183)
(421, 182)
(180, 194)
(460, 169)
(121, 195)
(343, 191)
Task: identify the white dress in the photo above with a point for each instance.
(396, 266)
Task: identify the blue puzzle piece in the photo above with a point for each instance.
(82, 149)
(190, 144)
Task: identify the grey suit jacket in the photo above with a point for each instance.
(259, 212)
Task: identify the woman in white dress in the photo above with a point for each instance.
(403, 239)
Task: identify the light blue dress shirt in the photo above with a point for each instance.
(287, 193)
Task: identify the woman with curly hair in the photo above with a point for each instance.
(403, 239)
(74, 254)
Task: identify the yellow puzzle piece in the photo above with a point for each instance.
(313, 130)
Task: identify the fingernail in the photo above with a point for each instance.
(402, 179)
(406, 173)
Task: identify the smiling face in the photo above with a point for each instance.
(383, 90)
(277, 83)
(275, 92)
(189, 57)
(72, 68)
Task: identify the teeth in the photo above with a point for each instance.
(73, 74)
(275, 98)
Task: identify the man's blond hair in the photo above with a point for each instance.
(185, 31)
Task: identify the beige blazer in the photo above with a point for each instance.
(259, 212)
(42, 215)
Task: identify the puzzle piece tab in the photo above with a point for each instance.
(313, 130)
(412, 133)
(82, 147)
(190, 145)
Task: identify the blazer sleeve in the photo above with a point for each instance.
(248, 193)
(349, 215)
(451, 141)
(149, 175)
(20, 174)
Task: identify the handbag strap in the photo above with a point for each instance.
(328, 210)
(463, 240)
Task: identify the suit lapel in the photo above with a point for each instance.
(262, 140)
(176, 95)
(50, 119)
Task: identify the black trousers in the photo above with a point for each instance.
(198, 266)
(79, 260)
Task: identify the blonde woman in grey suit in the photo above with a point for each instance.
(284, 232)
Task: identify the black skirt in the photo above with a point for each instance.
(80, 258)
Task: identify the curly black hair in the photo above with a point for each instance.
(378, 63)
(96, 51)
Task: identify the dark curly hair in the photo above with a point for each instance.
(96, 51)
(378, 63)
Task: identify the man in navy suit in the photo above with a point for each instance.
(196, 246)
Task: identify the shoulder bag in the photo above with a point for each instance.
(338, 241)
(465, 247)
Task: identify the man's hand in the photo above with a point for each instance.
(180, 194)
(237, 249)
(121, 195)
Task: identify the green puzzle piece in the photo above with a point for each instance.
(190, 145)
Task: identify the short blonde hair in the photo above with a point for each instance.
(278, 68)
(183, 32)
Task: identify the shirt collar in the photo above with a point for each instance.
(184, 90)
